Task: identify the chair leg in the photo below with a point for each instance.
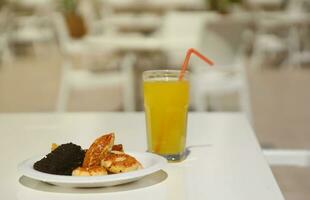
(128, 74)
(64, 89)
(257, 57)
(199, 101)
(245, 105)
(294, 47)
(244, 96)
(7, 55)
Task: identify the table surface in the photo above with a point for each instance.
(225, 160)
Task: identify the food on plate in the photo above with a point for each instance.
(119, 162)
(99, 148)
(54, 146)
(62, 160)
(90, 171)
(102, 158)
(117, 147)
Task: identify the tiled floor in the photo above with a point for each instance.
(280, 101)
(29, 85)
(294, 182)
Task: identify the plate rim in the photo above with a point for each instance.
(26, 169)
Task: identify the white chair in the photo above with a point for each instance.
(179, 32)
(85, 78)
(228, 76)
(299, 32)
(266, 43)
(5, 52)
(280, 33)
(301, 58)
(266, 46)
(91, 18)
(218, 83)
(34, 29)
(295, 6)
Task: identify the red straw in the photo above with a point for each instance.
(186, 61)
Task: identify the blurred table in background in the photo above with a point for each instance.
(125, 42)
(134, 22)
(36, 5)
(157, 5)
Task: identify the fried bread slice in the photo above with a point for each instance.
(119, 162)
(90, 171)
(118, 147)
(97, 151)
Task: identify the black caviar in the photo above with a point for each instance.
(62, 161)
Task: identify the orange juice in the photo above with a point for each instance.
(166, 103)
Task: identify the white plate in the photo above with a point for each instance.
(151, 163)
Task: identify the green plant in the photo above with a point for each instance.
(74, 20)
(68, 6)
(222, 6)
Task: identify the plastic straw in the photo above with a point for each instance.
(187, 58)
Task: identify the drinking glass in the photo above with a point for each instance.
(166, 100)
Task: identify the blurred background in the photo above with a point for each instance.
(89, 55)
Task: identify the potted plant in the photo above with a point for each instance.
(222, 6)
(74, 20)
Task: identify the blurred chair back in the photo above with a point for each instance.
(296, 6)
(63, 36)
(224, 41)
(33, 29)
(86, 8)
(86, 78)
(5, 52)
(180, 31)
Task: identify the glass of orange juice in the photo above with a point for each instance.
(166, 101)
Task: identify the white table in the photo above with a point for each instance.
(163, 41)
(225, 160)
(151, 5)
(133, 22)
(126, 42)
